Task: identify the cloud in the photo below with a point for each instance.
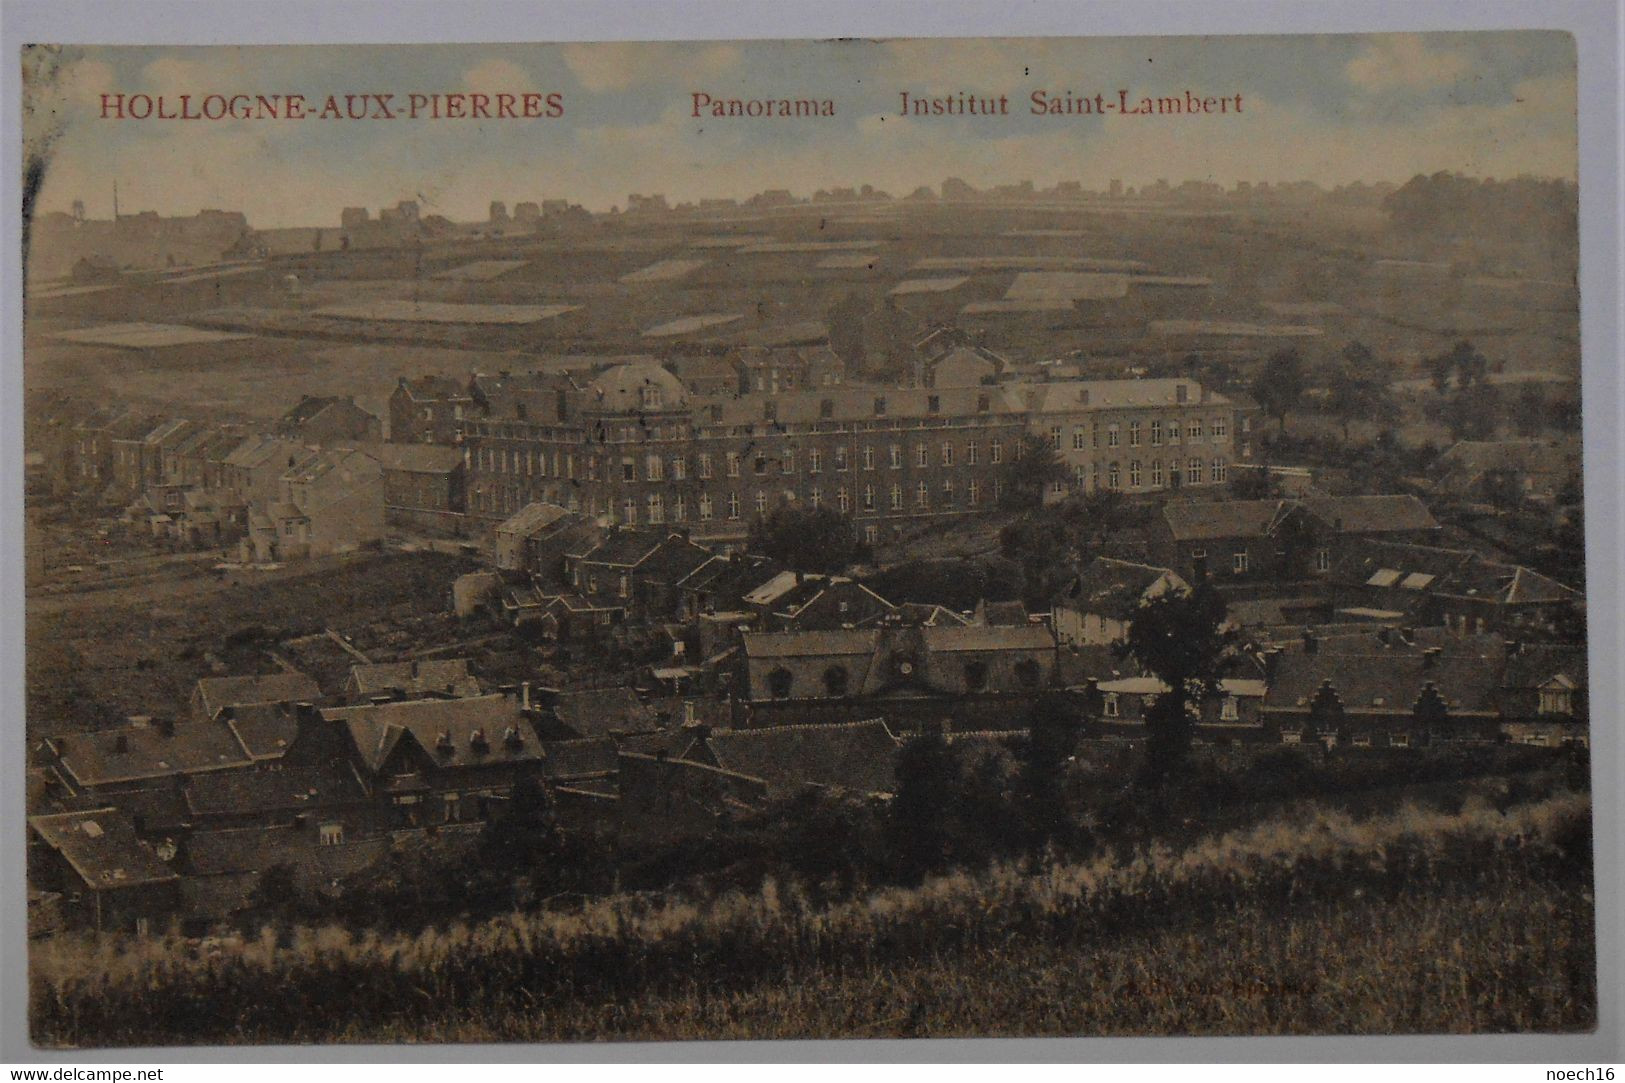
(1404, 62)
(611, 66)
(494, 75)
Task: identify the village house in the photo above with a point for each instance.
(638, 569)
(796, 601)
(1097, 607)
(424, 485)
(702, 374)
(105, 877)
(254, 468)
(1545, 694)
(1233, 713)
(413, 679)
(331, 502)
(428, 409)
(774, 370)
(1498, 471)
(329, 421)
(212, 695)
(1234, 539)
(908, 675)
(536, 538)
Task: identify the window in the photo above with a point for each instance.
(705, 466)
(1218, 428)
(1323, 560)
(761, 502)
(1110, 706)
(656, 510)
(654, 468)
(733, 505)
(1057, 488)
(779, 683)
(733, 464)
(835, 681)
(1194, 468)
(629, 510)
(975, 676)
(995, 452)
(894, 455)
(1111, 435)
(842, 501)
(1133, 434)
(922, 495)
(651, 397)
(1193, 431)
(1080, 439)
(970, 452)
(331, 834)
(788, 463)
(1029, 673)
(947, 490)
(1238, 562)
(868, 457)
(1055, 436)
(1556, 701)
(1173, 432)
(870, 535)
(972, 492)
(1227, 709)
(679, 468)
(1217, 470)
(840, 458)
(1399, 740)
(868, 498)
(921, 458)
(947, 453)
(1113, 477)
(759, 464)
(816, 497)
(815, 461)
(896, 497)
(1156, 473)
(629, 470)
(705, 507)
(1134, 474)
(624, 587)
(679, 508)
(1156, 434)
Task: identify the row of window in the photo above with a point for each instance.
(1195, 431)
(1087, 476)
(533, 463)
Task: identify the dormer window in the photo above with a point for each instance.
(826, 408)
(880, 407)
(983, 404)
(933, 404)
(651, 397)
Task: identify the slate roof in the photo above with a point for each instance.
(376, 729)
(855, 756)
(587, 758)
(624, 548)
(844, 641)
(982, 637)
(602, 711)
(259, 450)
(217, 692)
(1536, 663)
(1063, 396)
(1112, 588)
(266, 730)
(96, 758)
(433, 387)
(1390, 513)
(102, 847)
(1385, 681)
(532, 518)
(448, 676)
(230, 793)
(257, 849)
(1193, 520)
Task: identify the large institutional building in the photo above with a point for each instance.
(633, 446)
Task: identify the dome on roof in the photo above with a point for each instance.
(638, 387)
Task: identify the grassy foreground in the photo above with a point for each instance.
(1413, 922)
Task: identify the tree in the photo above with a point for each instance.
(1356, 390)
(1474, 412)
(1179, 636)
(1041, 759)
(922, 815)
(1032, 470)
(1280, 384)
(818, 540)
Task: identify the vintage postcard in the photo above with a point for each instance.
(805, 539)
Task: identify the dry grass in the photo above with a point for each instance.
(1417, 921)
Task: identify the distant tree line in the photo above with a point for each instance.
(1451, 204)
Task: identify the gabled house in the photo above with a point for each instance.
(445, 678)
(1232, 539)
(640, 569)
(212, 695)
(794, 601)
(1098, 606)
(331, 502)
(105, 875)
(428, 409)
(329, 421)
(1544, 695)
(134, 757)
(1455, 588)
(424, 485)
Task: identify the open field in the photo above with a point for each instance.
(1412, 922)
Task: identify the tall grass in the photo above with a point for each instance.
(1166, 940)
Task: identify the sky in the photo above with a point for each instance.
(1332, 109)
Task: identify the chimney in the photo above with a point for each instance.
(1430, 657)
(1311, 642)
(524, 695)
(513, 738)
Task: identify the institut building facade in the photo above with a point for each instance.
(635, 448)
